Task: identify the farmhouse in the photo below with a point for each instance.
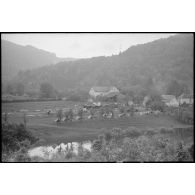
(170, 100)
(107, 92)
(186, 98)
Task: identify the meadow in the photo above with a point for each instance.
(48, 132)
(32, 106)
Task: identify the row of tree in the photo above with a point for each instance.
(46, 90)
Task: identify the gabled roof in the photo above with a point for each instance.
(112, 94)
(167, 97)
(102, 89)
(186, 96)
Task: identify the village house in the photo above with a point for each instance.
(186, 98)
(170, 100)
(106, 92)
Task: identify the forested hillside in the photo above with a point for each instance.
(17, 57)
(158, 65)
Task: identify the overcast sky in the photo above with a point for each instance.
(83, 45)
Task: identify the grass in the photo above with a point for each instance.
(145, 138)
(32, 106)
(49, 132)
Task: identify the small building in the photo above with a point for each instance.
(107, 92)
(170, 100)
(186, 98)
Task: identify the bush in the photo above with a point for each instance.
(185, 115)
(164, 130)
(150, 132)
(133, 145)
(15, 138)
(182, 153)
(191, 151)
(97, 145)
(108, 136)
(132, 132)
(60, 114)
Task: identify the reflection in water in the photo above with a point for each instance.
(47, 152)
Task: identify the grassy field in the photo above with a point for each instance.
(32, 106)
(49, 132)
(159, 136)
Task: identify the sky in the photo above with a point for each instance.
(83, 45)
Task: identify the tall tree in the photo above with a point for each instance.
(20, 89)
(175, 88)
(47, 90)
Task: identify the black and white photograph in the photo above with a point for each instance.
(97, 97)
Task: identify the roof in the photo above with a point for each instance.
(186, 96)
(168, 97)
(111, 94)
(102, 89)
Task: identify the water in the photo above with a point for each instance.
(47, 152)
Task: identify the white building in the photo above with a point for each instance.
(170, 100)
(186, 98)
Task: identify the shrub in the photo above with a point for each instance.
(191, 151)
(132, 132)
(60, 114)
(97, 145)
(131, 144)
(15, 138)
(108, 136)
(150, 132)
(164, 130)
(182, 153)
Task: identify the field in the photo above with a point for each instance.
(44, 127)
(32, 106)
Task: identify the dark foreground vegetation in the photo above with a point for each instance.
(117, 145)
(132, 145)
(16, 141)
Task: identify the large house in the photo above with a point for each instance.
(170, 100)
(186, 98)
(108, 92)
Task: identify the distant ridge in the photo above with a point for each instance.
(146, 66)
(17, 57)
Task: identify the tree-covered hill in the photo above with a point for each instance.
(17, 57)
(155, 65)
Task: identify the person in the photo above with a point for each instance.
(92, 113)
(132, 110)
(80, 113)
(48, 112)
(112, 114)
(57, 121)
(102, 113)
(70, 115)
